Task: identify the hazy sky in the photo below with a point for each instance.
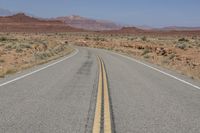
(135, 12)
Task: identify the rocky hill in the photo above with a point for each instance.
(88, 24)
(23, 23)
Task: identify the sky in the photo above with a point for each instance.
(155, 13)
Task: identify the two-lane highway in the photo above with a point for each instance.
(63, 97)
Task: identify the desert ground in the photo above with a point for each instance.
(177, 52)
(19, 51)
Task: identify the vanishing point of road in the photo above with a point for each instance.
(97, 91)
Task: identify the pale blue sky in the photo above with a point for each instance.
(135, 12)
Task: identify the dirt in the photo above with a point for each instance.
(19, 51)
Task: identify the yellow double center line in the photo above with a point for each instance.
(102, 118)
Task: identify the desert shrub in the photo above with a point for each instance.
(145, 51)
(58, 49)
(19, 50)
(87, 37)
(144, 38)
(2, 60)
(162, 39)
(2, 39)
(41, 55)
(183, 40)
(21, 46)
(181, 45)
(51, 53)
(190, 46)
(11, 71)
(131, 39)
(8, 46)
(171, 56)
(165, 61)
(31, 42)
(2, 44)
(25, 46)
(99, 39)
(194, 37)
(66, 42)
(146, 56)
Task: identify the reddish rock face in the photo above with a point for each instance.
(153, 32)
(89, 24)
(22, 23)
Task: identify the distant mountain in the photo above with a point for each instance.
(126, 30)
(177, 28)
(169, 28)
(131, 30)
(18, 18)
(23, 23)
(145, 27)
(5, 12)
(27, 22)
(157, 32)
(88, 24)
(142, 27)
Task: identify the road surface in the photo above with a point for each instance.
(62, 97)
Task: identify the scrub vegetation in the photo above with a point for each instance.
(19, 51)
(177, 52)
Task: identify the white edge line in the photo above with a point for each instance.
(167, 74)
(38, 70)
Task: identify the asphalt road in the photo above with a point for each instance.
(61, 98)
